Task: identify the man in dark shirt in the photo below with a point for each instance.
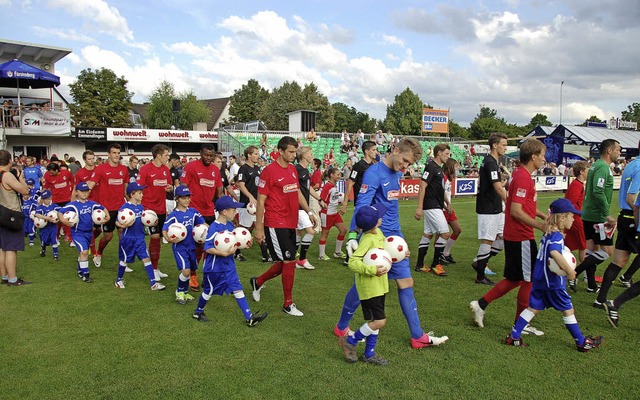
(133, 168)
(174, 163)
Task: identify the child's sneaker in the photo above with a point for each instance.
(515, 342)
(56, 258)
(43, 251)
(162, 274)
(590, 342)
(200, 317)
(86, 278)
(375, 359)
(31, 244)
(532, 330)
(158, 286)
(255, 319)
(180, 298)
(349, 350)
(324, 258)
(97, 261)
(428, 340)
(119, 284)
(188, 298)
(156, 275)
(489, 272)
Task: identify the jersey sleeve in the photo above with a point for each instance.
(556, 242)
(198, 218)
(494, 173)
(520, 190)
(186, 174)
(264, 186)
(427, 175)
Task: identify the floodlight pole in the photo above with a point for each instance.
(561, 84)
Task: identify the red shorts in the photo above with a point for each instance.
(450, 216)
(574, 238)
(328, 221)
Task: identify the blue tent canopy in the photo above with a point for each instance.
(18, 74)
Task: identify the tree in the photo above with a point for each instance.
(592, 118)
(246, 102)
(632, 113)
(282, 100)
(351, 120)
(100, 99)
(404, 116)
(191, 110)
(313, 99)
(161, 114)
(538, 119)
(456, 130)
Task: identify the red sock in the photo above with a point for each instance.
(523, 297)
(199, 252)
(500, 289)
(454, 236)
(102, 244)
(94, 234)
(288, 274)
(154, 251)
(67, 231)
(275, 270)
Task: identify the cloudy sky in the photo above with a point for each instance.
(510, 55)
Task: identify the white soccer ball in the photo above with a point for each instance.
(126, 216)
(377, 257)
(99, 216)
(39, 222)
(243, 237)
(32, 214)
(199, 233)
(225, 241)
(72, 217)
(149, 218)
(340, 198)
(396, 247)
(571, 260)
(251, 208)
(53, 214)
(177, 231)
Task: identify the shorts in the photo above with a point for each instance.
(81, 239)
(11, 240)
(281, 243)
(49, 235)
(434, 221)
(304, 221)
(591, 234)
(185, 258)
(627, 234)
(328, 221)
(157, 230)
(220, 283)
(110, 225)
(574, 238)
(519, 260)
(245, 219)
(542, 299)
(490, 226)
(130, 248)
(373, 308)
(450, 216)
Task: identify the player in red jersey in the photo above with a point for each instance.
(205, 184)
(574, 237)
(519, 241)
(156, 176)
(279, 198)
(84, 175)
(111, 178)
(60, 182)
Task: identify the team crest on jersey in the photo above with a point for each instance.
(494, 175)
(521, 193)
(425, 175)
(120, 173)
(364, 188)
(292, 187)
(261, 183)
(354, 174)
(240, 177)
(600, 183)
(393, 195)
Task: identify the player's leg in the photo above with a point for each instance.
(322, 242)
(627, 277)
(457, 230)
(140, 251)
(154, 246)
(286, 240)
(208, 281)
(423, 245)
(342, 232)
(349, 307)
(82, 240)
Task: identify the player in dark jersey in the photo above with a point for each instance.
(174, 170)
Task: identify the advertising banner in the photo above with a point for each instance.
(91, 133)
(46, 122)
(159, 135)
(435, 121)
(466, 186)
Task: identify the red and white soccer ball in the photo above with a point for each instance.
(126, 216)
(149, 218)
(53, 214)
(251, 208)
(396, 247)
(243, 237)
(378, 257)
(72, 217)
(39, 222)
(177, 231)
(98, 216)
(340, 198)
(199, 233)
(225, 241)
(571, 260)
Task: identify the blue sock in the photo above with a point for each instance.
(372, 341)
(31, 237)
(244, 306)
(55, 251)
(183, 285)
(148, 267)
(410, 311)
(572, 326)
(523, 320)
(351, 304)
(357, 336)
(202, 302)
(121, 268)
(84, 267)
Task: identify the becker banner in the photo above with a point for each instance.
(435, 121)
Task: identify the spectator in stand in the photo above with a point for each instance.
(264, 153)
(312, 136)
(353, 153)
(346, 168)
(359, 138)
(345, 142)
(329, 159)
(264, 140)
(562, 170)
(379, 138)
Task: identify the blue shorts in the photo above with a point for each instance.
(81, 239)
(185, 258)
(542, 299)
(130, 248)
(49, 235)
(220, 283)
(400, 270)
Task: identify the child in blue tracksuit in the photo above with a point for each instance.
(219, 268)
(81, 233)
(184, 251)
(132, 243)
(49, 233)
(548, 289)
(29, 203)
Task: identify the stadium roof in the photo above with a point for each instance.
(591, 136)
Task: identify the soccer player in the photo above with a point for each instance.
(29, 204)
(174, 170)
(84, 175)
(381, 185)
(329, 215)
(111, 179)
(519, 240)
(31, 171)
(184, 251)
(279, 199)
(60, 183)
(156, 178)
(48, 233)
(219, 269)
(595, 214)
(449, 170)
(204, 181)
(489, 207)
(574, 237)
(431, 206)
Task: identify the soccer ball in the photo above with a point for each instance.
(149, 218)
(397, 248)
(126, 216)
(225, 241)
(199, 233)
(39, 222)
(251, 208)
(571, 260)
(72, 217)
(53, 214)
(98, 216)
(375, 257)
(243, 237)
(340, 197)
(177, 231)
(32, 214)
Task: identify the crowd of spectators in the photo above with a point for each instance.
(11, 112)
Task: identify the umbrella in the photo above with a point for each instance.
(22, 75)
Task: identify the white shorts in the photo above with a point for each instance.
(434, 221)
(171, 205)
(245, 219)
(490, 226)
(304, 221)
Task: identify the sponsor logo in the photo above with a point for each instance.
(60, 185)
(115, 182)
(207, 182)
(354, 174)
(364, 188)
(393, 195)
(464, 186)
(261, 183)
(160, 182)
(409, 188)
(280, 180)
(292, 187)
(600, 183)
(494, 175)
(425, 175)
(386, 184)
(550, 180)
(240, 177)
(128, 134)
(521, 193)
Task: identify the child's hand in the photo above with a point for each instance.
(381, 270)
(230, 252)
(407, 254)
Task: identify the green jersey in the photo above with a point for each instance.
(598, 192)
(368, 284)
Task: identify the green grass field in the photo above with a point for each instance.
(62, 338)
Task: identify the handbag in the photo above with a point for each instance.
(9, 219)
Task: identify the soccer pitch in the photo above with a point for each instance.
(62, 338)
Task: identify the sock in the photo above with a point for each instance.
(12, 280)
(627, 295)
(410, 311)
(67, 231)
(154, 251)
(523, 297)
(610, 275)
(339, 241)
(423, 248)
(322, 244)
(298, 237)
(500, 289)
(364, 331)
(635, 265)
(202, 302)
(482, 257)
(243, 304)
(94, 234)
(349, 307)
(288, 275)
(523, 320)
(84, 267)
(101, 246)
(183, 283)
(275, 270)
(121, 267)
(572, 326)
(438, 247)
(55, 250)
(305, 244)
(496, 247)
(199, 252)
(32, 236)
(450, 242)
(79, 270)
(148, 267)
(372, 341)
(263, 249)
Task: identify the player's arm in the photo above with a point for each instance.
(563, 264)
(347, 192)
(518, 213)
(421, 192)
(243, 189)
(258, 233)
(16, 184)
(499, 188)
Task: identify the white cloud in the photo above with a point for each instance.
(64, 34)
(394, 40)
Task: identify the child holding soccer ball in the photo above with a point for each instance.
(49, 233)
(548, 289)
(219, 267)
